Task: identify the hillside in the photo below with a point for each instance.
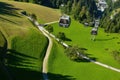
(44, 14)
(23, 46)
(81, 10)
(26, 45)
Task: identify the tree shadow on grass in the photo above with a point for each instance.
(28, 74)
(18, 53)
(15, 58)
(7, 20)
(20, 66)
(52, 76)
(24, 73)
(3, 49)
(3, 52)
(3, 75)
(90, 57)
(107, 39)
(8, 9)
(21, 73)
(67, 39)
(81, 60)
(87, 59)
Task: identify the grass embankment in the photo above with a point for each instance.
(44, 14)
(27, 55)
(62, 68)
(100, 49)
(26, 45)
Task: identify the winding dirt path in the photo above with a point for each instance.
(51, 22)
(45, 61)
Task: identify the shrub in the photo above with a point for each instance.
(49, 28)
(75, 53)
(116, 55)
(61, 36)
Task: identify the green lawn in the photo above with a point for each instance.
(62, 68)
(99, 49)
(26, 44)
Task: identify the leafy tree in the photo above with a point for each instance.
(111, 25)
(82, 14)
(61, 36)
(24, 12)
(108, 23)
(62, 8)
(68, 7)
(116, 55)
(75, 53)
(49, 28)
(117, 4)
(73, 9)
(34, 17)
(77, 11)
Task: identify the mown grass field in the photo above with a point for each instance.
(26, 44)
(100, 49)
(62, 68)
(44, 14)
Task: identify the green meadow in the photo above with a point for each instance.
(100, 49)
(65, 69)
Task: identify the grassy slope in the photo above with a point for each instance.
(26, 45)
(99, 49)
(27, 55)
(60, 67)
(43, 13)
